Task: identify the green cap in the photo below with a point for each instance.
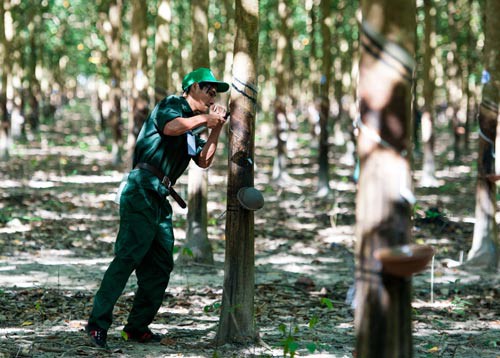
(203, 75)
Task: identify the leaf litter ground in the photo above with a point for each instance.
(58, 224)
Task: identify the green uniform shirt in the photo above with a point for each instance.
(167, 153)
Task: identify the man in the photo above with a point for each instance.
(145, 239)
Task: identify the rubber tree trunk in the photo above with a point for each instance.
(469, 69)
(428, 73)
(112, 37)
(197, 236)
(313, 80)
(237, 313)
(162, 40)
(281, 133)
(384, 197)
(6, 27)
(138, 97)
(281, 127)
(33, 89)
(484, 251)
(455, 72)
(324, 113)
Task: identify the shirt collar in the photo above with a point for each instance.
(185, 106)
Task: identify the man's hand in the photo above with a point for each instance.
(218, 109)
(216, 117)
(215, 120)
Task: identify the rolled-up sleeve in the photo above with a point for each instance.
(168, 110)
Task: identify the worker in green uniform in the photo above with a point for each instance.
(145, 239)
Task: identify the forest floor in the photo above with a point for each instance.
(58, 223)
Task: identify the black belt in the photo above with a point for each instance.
(164, 180)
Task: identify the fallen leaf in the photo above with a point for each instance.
(167, 341)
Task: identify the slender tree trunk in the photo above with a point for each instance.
(323, 174)
(281, 127)
(383, 202)
(6, 33)
(138, 98)
(33, 89)
(338, 68)
(469, 69)
(112, 36)
(237, 314)
(281, 132)
(455, 78)
(197, 235)
(162, 39)
(484, 251)
(312, 6)
(427, 119)
(228, 27)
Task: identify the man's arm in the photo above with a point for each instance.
(207, 154)
(179, 125)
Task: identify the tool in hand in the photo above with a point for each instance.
(200, 129)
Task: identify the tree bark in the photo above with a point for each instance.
(283, 68)
(312, 6)
(138, 98)
(33, 89)
(484, 252)
(324, 113)
(383, 202)
(197, 217)
(5, 40)
(237, 314)
(112, 35)
(427, 120)
(162, 39)
(455, 77)
(469, 69)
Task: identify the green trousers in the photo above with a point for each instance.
(145, 244)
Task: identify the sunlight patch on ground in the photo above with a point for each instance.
(338, 235)
(273, 244)
(304, 249)
(214, 179)
(457, 219)
(39, 184)
(298, 226)
(285, 260)
(343, 186)
(88, 179)
(5, 184)
(14, 226)
(32, 278)
(464, 326)
(15, 330)
(63, 151)
(431, 198)
(51, 269)
(455, 172)
(110, 239)
(472, 220)
(417, 176)
(447, 278)
(216, 206)
(179, 233)
(297, 265)
(438, 241)
(437, 304)
(48, 215)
